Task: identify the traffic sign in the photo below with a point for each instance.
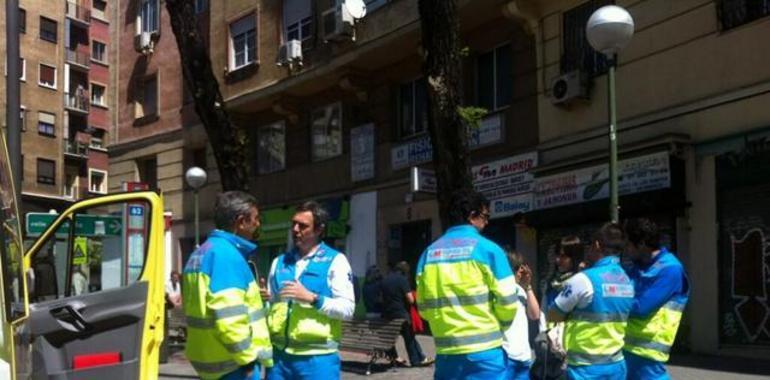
(85, 224)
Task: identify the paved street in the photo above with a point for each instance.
(689, 367)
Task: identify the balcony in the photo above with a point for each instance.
(78, 13)
(77, 102)
(75, 149)
(78, 59)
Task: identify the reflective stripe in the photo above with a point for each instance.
(675, 306)
(656, 346)
(509, 299)
(588, 316)
(454, 301)
(452, 341)
(256, 315)
(332, 345)
(206, 323)
(215, 367)
(580, 357)
(230, 311)
(199, 323)
(265, 354)
(235, 348)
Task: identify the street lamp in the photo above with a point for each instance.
(196, 178)
(609, 30)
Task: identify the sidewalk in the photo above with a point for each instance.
(684, 367)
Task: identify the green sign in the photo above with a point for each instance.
(80, 252)
(85, 225)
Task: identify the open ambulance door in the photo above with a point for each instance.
(96, 291)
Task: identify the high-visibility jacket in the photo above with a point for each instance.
(652, 329)
(593, 334)
(298, 328)
(226, 325)
(465, 290)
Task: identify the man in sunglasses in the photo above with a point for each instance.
(311, 291)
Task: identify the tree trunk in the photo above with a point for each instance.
(228, 141)
(442, 68)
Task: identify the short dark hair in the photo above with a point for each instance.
(320, 215)
(610, 237)
(230, 205)
(515, 259)
(403, 267)
(464, 203)
(573, 248)
(642, 231)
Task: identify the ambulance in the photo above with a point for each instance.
(83, 298)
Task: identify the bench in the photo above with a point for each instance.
(374, 337)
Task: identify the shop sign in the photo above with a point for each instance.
(420, 150)
(423, 180)
(635, 175)
(362, 153)
(507, 183)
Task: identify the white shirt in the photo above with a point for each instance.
(516, 340)
(577, 293)
(341, 304)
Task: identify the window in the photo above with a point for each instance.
(577, 52)
(46, 171)
(96, 142)
(271, 149)
(70, 184)
(23, 68)
(97, 181)
(22, 20)
(97, 95)
(201, 6)
(23, 117)
(243, 42)
(46, 124)
(147, 97)
(494, 78)
(148, 17)
(413, 108)
(148, 171)
(371, 5)
(734, 13)
(326, 132)
(47, 76)
(99, 9)
(48, 29)
(98, 51)
(298, 19)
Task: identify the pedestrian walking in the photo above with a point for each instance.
(397, 299)
(662, 290)
(595, 304)
(227, 336)
(466, 292)
(311, 289)
(516, 342)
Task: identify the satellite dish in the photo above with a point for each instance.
(356, 8)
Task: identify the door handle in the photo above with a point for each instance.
(71, 319)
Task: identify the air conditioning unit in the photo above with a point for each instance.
(569, 86)
(338, 24)
(290, 53)
(146, 44)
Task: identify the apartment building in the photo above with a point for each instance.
(64, 119)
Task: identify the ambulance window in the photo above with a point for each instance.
(11, 249)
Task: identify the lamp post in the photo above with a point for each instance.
(609, 30)
(196, 178)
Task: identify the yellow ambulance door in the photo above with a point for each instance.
(97, 304)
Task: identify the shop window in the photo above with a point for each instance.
(97, 181)
(271, 151)
(47, 76)
(46, 124)
(577, 53)
(48, 29)
(734, 13)
(99, 52)
(46, 171)
(326, 132)
(148, 17)
(243, 42)
(413, 108)
(494, 78)
(298, 19)
(97, 95)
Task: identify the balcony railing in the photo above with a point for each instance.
(78, 12)
(78, 58)
(77, 102)
(75, 148)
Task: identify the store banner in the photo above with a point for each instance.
(507, 183)
(635, 175)
(362, 153)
